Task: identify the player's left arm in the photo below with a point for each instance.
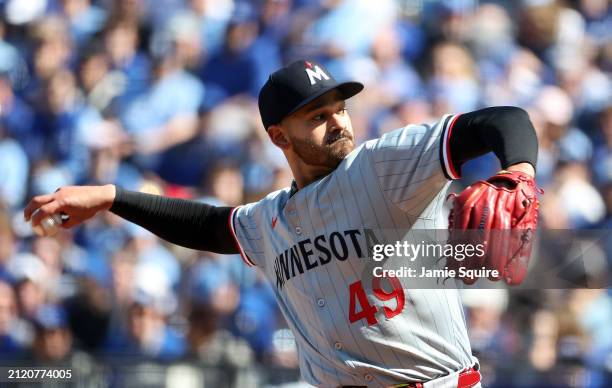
(413, 164)
(505, 130)
(504, 208)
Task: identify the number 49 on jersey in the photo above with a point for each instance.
(360, 307)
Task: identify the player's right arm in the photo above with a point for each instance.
(187, 223)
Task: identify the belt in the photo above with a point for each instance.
(468, 378)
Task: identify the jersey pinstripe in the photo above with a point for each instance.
(313, 247)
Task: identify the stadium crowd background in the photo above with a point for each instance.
(160, 96)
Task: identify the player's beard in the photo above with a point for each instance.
(334, 149)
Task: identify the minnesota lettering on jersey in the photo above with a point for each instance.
(309, 253)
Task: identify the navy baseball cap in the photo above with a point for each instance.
(290, 88)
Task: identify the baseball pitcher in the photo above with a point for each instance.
(313, 240)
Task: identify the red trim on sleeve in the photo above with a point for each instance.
(449, 160)
(230, 222)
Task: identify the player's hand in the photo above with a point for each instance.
(524, 168)
(79, 203)
(502, 214)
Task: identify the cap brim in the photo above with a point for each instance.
(347, 89)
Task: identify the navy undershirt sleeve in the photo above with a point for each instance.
(505, 130)
(187, 223)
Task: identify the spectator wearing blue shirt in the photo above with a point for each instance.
(394, 79)
(166, 115)
(11, 345)
(340, 31)
(12, 64)
(101, 238)
(181, 35)
(208, 275)
(148, 334)
(53, 339)
(275, 19)
(16, 116)
(52, 53)
(61, 124)
(453, 85)
(491, 38)
(598, 18)
(256, 318)
(84, 19)
(213, 18)
(99, 83)
(121, 40)
(14, 167)
(553, 111)
(246, 59)
(597, 313)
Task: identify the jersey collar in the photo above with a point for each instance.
(294, 188)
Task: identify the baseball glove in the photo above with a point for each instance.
(502, 215)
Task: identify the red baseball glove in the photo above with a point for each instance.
(502, 215)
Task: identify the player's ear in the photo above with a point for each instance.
(278, 136)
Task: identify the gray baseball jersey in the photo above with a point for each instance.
(313, 247)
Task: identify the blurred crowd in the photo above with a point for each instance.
(160, 96)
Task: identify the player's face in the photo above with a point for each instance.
(321, 133)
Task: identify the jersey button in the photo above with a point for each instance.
(320, 302)
(298, 230)
(338, 345)
(368, 377)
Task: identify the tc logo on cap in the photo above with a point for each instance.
(315, 73)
